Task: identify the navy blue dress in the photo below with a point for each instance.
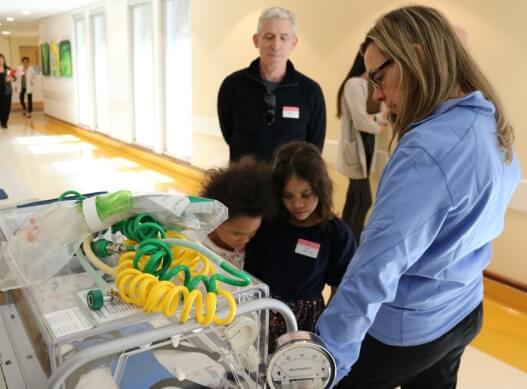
(296, 263)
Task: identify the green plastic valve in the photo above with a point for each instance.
(100, 247)
(96, 299)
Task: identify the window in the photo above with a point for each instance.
(82, 75)
(100, 73)
(178, 79)
(142, 74)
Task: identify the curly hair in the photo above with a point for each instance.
(245, 187)
(303, 160)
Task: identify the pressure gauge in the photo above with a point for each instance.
(300, 362)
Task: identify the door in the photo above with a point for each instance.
(27, 51)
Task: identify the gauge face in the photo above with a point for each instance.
(302, 365)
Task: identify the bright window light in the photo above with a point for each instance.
(100, 67)
(45, 139)
(143, 73)
(178, 79)
(82, 60)
(61, 148)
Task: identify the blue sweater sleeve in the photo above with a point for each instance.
(412, 204)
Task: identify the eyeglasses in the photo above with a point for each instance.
(375, 78)
(270, 104)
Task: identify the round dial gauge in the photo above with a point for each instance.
(300, 361)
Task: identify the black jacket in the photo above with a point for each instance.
(241, 111)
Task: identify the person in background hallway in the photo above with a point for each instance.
(245, 189)
(6, 91)
(25, 78)
(270, 103)
(411, 298)
(307, 247)
(356, 149)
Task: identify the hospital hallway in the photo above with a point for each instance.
(40, 158)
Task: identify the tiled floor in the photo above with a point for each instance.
(44, 165)
(38, 162)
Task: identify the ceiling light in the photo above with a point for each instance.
(10, 19)
(6, 32)
(26, 13)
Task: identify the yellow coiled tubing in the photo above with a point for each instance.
(146, 291)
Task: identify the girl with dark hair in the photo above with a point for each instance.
(356, 149)
(306, 246)
(5, 92)
(245, 189)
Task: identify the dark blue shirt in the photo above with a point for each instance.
(250, 126)
(272, 256)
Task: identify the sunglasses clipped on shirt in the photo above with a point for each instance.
(375, 75)
(270, 105)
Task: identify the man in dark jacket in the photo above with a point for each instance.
(270, 103)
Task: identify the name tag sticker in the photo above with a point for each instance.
(290, 112)
(307, 248)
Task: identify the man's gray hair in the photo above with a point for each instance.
(277, 12)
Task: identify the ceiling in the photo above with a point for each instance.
(28, 24)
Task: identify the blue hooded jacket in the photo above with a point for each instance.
(418, 270)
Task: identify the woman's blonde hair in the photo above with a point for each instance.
(434, 67)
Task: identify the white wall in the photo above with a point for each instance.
(59, 92)
(5, 49)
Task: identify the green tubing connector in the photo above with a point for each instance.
(95, 299)
(100, 247)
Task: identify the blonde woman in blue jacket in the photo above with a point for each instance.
(411, 298)
(356, 149)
